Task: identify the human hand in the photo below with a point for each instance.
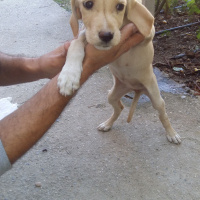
(50, 64)
(95, 59)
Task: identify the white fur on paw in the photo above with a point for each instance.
(69, 78)
(68, 81)
(176, 139)
(104, 127)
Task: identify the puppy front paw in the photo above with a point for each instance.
(69, 78)
(68, 81)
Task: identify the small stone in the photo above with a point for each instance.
(38, 184)
(183, 97)
(178, 69)
(164, 22)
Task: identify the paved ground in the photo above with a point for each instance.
(73, 160)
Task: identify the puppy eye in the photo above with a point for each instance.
(88, 4)
(120, 7)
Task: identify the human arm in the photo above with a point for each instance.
(18, 69)
(43, 109)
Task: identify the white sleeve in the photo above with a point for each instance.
(5, 164)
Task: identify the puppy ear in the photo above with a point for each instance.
(76, 15)
(140, 16)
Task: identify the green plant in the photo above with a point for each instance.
(193, 6)
(166, 34)
(167, 5)
(198, 34)
(64, 3)
(172, 4)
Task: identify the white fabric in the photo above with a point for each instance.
(6, 107)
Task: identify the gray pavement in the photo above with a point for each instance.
(131, 162)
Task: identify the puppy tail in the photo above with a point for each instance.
(133, 105)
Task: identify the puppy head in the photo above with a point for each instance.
(104, 18)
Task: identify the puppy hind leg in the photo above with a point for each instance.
(117, 106)
(159, 104)
(114, 97)
(133, 105)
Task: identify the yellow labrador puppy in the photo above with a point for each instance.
(133, 71)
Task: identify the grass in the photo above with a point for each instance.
(64, 3)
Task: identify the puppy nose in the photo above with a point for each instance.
(105, 36)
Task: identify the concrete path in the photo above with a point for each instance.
(74, 161)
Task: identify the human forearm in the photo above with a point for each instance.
(14, 70)
(23, 128)
(17, 69)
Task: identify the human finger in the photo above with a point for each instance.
(127, 31)
(135, 39)
(66, 46)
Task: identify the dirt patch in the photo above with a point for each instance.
(177, 52)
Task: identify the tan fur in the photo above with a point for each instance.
(133, 71)
(140, 16)
(76, 15)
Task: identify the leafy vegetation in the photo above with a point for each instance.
(191, 7)
(64, 3)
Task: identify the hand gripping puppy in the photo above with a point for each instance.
(133, 71)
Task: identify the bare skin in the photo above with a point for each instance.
(35, 117)
(15, 69)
